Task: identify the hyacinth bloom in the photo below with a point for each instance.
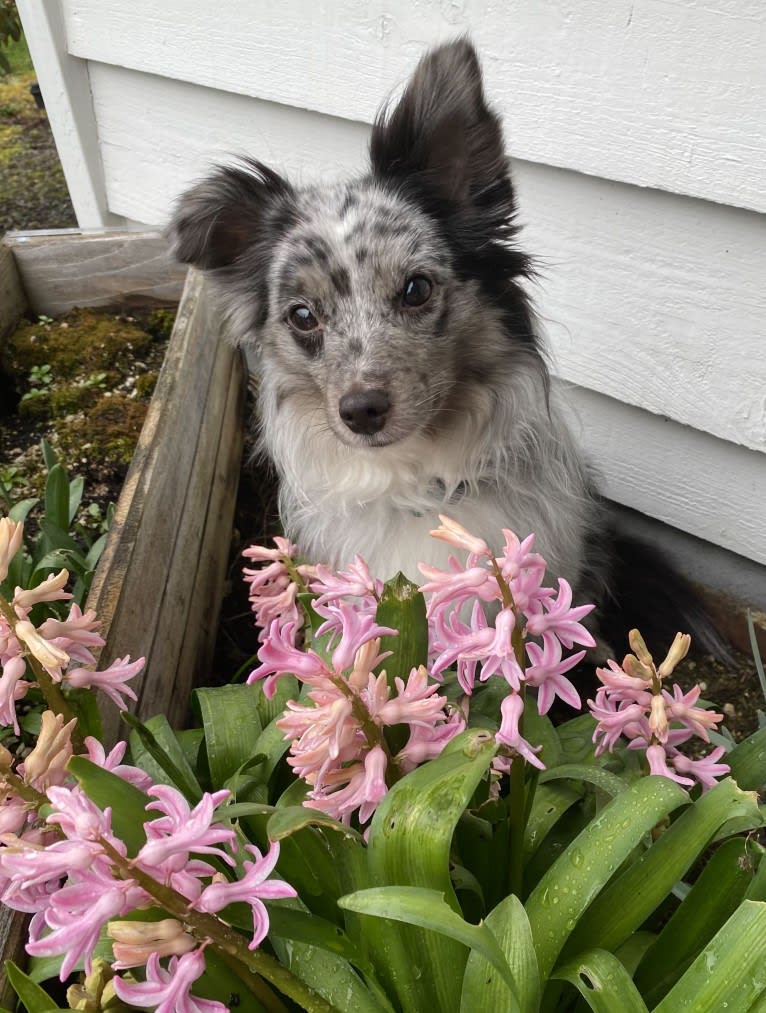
(632, 704)
(169, 991)
(61, 647)
(273, 587)
(516, 631)
(250, 889)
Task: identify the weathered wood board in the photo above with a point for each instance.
(13, 302)
(158, 586)
(62, 269)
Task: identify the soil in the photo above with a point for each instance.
(33, 195)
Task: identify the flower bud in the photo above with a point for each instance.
(135, 942)
(636, 670)
(640, 649)
(454, 533)
(51, 589)
(11, 534)
(52, 658)
(658, 718)
(678, 651)
(46, 764)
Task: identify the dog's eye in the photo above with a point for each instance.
(302, 319)
(417, 290)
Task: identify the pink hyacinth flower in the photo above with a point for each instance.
(111, 681)
(561, 620)
(169, 991)
(509, 735)
(253, 888)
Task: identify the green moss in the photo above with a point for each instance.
(160, 323)
(108, 431)
(84, 342)
(145, 384)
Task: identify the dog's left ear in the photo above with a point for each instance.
(442, 139)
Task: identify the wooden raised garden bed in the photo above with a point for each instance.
(159, 584)
(158, 587)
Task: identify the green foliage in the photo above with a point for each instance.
(60, 540)
(10, 32)
(419, 916)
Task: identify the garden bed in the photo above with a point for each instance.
(158, 586)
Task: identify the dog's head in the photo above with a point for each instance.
(377, 301)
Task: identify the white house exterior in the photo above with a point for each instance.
(638, 133)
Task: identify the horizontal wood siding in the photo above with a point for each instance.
(667, 95)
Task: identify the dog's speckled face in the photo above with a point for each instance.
(366, 313)
(378, 303)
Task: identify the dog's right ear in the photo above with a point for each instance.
(235, 208)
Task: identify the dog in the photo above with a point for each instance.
(401, 373)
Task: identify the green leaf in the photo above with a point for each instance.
(35, 999)
(304, 927)
(154, 740)
(603, 982)
(409, 845)
(429, 910)
(57, 497)
(729, 973)
(84, 703)
(482, 989)
(50, 457)
(291, 819)
(747, 761)
(76, 487)
(609, 783)
(232, 724)
(630, 899)
(55, 537)
(20, 510)
(713, 898)
(402, 607)
(580, 873)
(128, 804)
(551, 801)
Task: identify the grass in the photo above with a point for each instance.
(17, 54)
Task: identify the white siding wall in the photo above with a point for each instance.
(639, 139)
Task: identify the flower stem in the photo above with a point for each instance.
(250, 966)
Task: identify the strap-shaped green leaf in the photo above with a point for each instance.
(550, 803)
(35, 998)
(632, 897)
(155, 748)
(429, 910)
(603, 982)
(57, 497)
(232, 724)
(730, 973)
(402, 607)
(409, 845)
(128, 804)
(558, 901)
(485, 989)
(713, 898)
(748, 761)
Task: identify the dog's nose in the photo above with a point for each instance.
(364, 411)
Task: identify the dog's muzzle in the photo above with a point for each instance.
(364, 411)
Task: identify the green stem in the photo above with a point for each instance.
(250, 966)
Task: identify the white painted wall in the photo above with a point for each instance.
(638, 132)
